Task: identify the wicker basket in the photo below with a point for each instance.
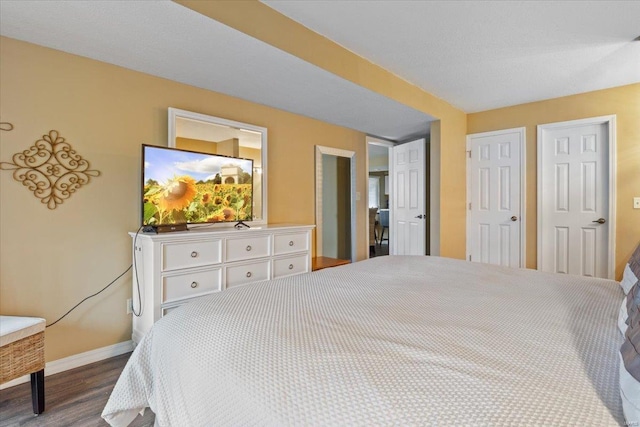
(22, 357)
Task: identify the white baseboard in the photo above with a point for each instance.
(77, 360)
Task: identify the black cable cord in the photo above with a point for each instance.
(91, 296)
(135, 240)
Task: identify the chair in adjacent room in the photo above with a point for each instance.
(22, 353)
(372, 231)
(384, 223)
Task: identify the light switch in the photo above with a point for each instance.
(636, 203)
(357, 195)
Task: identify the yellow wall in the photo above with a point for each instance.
(622, 101)
(51, 259)
(196, 145)
(260, 21)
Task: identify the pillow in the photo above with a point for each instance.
(630, 394)
(630, 364)
(633, 301)
(623, 316)
(634, 263)
(628, 279)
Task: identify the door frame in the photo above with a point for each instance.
(384, 143)
(351, 155)
(523, 191)
(610, 121)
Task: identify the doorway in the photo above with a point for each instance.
(335, 204)
(378, 195)
(576, 194)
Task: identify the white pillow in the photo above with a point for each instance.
(622, 317)
(630, 394)
(628, 279)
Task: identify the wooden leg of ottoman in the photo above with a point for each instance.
(37, 391)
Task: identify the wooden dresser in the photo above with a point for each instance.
(172, 269)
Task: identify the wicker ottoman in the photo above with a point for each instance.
(22, 352)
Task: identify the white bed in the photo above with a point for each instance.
(387, 341)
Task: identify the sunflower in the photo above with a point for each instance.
(218, 217)
(217, 200)
(177, 193)
(228, 213)
(206, 198)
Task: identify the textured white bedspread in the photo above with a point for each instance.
(389, 341)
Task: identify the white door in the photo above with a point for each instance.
(494, 197)
(573, 198)
(407, 223)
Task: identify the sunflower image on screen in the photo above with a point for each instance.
(182, 186)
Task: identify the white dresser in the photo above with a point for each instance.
(176, 268)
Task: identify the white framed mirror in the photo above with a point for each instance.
(335, 203)
(215, 135)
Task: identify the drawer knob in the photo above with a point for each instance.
(194, 285)
(290, 266)
(248, 248)
(194, 254)
(248, 274)
(290, 242)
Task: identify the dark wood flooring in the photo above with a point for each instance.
(73, 398)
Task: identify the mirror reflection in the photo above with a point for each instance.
(208, 134)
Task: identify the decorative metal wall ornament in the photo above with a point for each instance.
(51, 169)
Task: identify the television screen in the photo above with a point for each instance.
(186, 187)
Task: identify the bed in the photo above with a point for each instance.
(396, 340)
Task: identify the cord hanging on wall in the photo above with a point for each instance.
(6, 126)
(51, 169)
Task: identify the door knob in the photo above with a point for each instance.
(600, 221)
(419, 216)
(514, 218)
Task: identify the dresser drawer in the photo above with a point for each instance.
(166, 309)
(287, 243)
(247, 273)
(191, 254)
(181, 286)
(290, 265)
(248, 248)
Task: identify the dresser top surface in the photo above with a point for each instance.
(202, 231)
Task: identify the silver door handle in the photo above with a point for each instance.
(420, 216)
(600, 221)
(514, 218)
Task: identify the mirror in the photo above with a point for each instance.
(335, 203)
(209, 134)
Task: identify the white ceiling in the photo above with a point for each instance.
(165, 39)
(476, 55)
(481, 55)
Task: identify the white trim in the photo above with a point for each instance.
(175, 112)
(610, 121)
(523, 187)
(77, 360)
(351, 155)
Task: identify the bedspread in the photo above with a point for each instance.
(395, 340)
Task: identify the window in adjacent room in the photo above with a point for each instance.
(374, 191)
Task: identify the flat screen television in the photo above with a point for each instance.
(188, 187)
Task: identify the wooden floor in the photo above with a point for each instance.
(73, 398)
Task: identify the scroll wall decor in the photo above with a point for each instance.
(51, 169)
